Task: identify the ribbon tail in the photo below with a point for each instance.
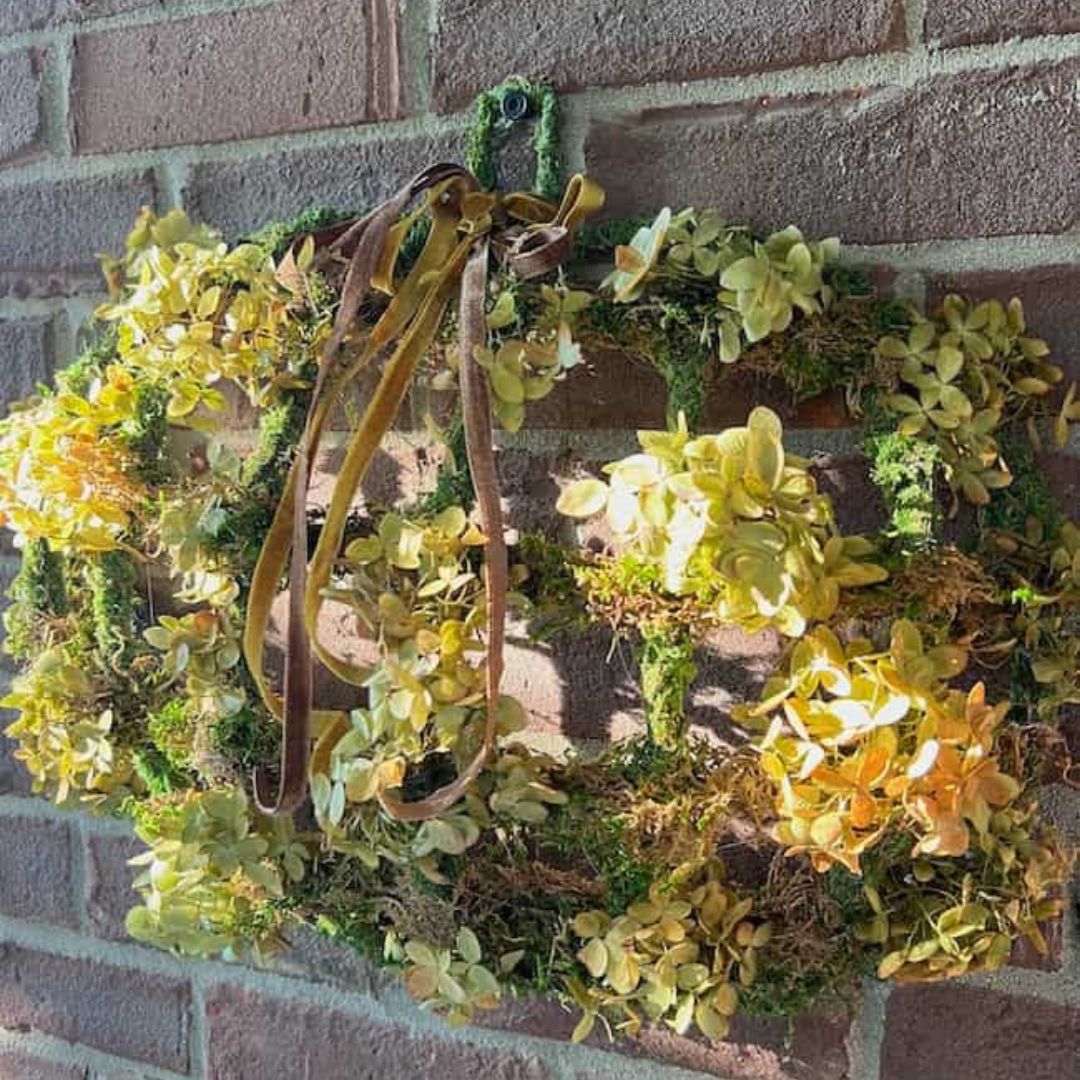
(476, 411)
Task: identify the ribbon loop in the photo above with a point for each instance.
(465, 223)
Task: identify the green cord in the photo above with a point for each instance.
(488, 127)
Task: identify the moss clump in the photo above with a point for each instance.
(39, 596)
(490, 125)
(247, 738)
(111, 577)
(276, 237)
(146, 436)
(906, 471)
(158, 773)
(90, 362)
(172, 731)
(666, 658)
(602, 237)
(247, 519)
(1028, 496)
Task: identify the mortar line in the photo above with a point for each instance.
(92, 166)
(100, 1063)
(915, 25)
(40, 809)
(172, 177)
(78, 872)
(897, 70)
(56, 97)
(866, 1038)
(416, 32)
(197, 1032)
(1028, 251)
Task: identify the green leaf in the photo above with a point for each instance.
(745, 274)
(583, 498)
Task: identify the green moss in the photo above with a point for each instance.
(146, 435)
(666, 659)
(275, 237)
(603, 237)
(159, 775)
(247, 519)
(39, 595)
(246, 738)
(907, 471)
(172, 731)
(111, 577)
(489, 127)
(1029, 494)
(91, 361)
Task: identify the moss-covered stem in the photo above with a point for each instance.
(666, 659)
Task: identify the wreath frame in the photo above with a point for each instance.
(597, 881)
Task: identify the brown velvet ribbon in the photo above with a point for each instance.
(531, 237)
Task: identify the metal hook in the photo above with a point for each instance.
(516, 106)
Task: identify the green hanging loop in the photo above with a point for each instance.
(496, 111)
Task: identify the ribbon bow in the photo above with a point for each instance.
(531, 237)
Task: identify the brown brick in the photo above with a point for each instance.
(107, 882)
(969, 22)
(1050, 294)
(1063, 472)
(238, 197)
(1025, 955)
(62, 226)
(16, 1065)
(964, 1033)
(984, 153)
(252, 1037)
(857, 501)
(20, 121)
(35, 870)
(125, 1012)
(577, 686)
(299, 65)
(616, 42)
(812, 1047)
(14, 779)
(25, 357)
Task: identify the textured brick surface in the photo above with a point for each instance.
(962, 1033)
(251, 1037)
(129, 1013)
(966, 22)
(25, 357)
(35, 871)
(15, 1065)
(240, 196)
(1051, 297)
(107, 882)
(20, 120)
(985, 153)
(615, 42)
(1063, 473)
(302, 64)
(63, 225)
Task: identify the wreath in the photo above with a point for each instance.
(879, 797)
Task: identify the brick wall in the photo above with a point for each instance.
(939, 137)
